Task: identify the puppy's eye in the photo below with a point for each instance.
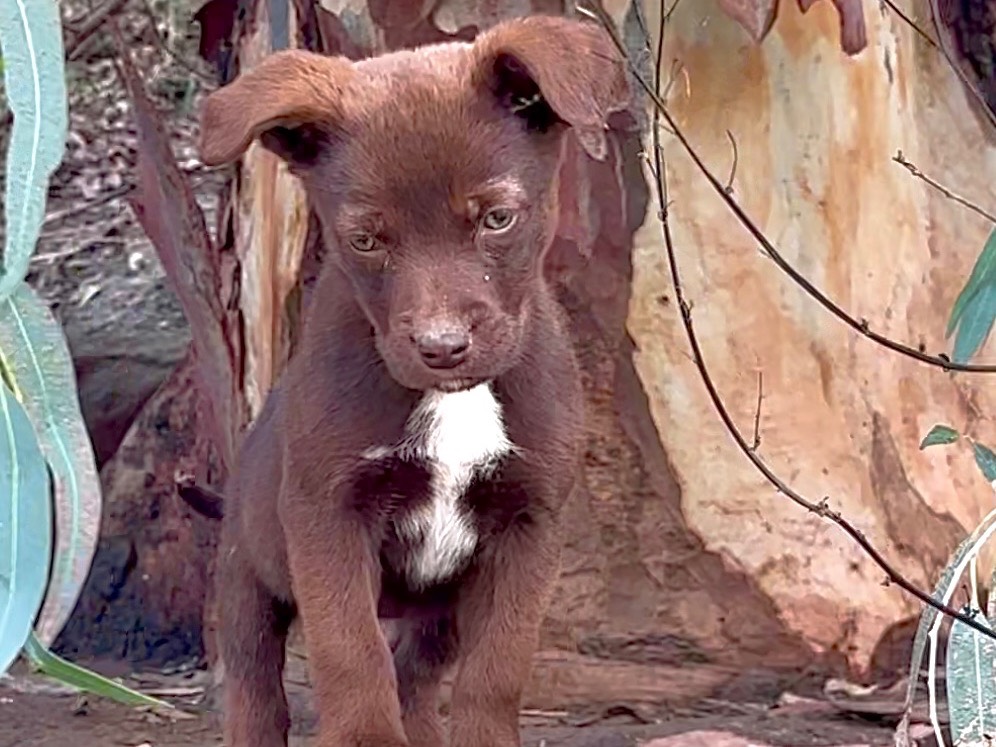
(363, 243)
(498, 219)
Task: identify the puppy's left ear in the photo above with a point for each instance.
(292, 102)
(548, 68)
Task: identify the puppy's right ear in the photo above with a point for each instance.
(552, 65)
(291, 101)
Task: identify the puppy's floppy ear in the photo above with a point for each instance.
(291, 101)
(547, 68)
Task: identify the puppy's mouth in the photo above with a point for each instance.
(457, 384)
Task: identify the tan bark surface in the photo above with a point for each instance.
(842, 417)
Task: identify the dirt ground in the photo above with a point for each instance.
(53, 719)
(35, 712)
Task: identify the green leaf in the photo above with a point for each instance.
(985, 267)
(36, 360)
(25, 527)
(83, 679)
(975, 325)
(971, 684)
(974, 311)
(35, 83)
(939, 434)
(986, 459)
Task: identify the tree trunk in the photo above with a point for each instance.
(842, 417)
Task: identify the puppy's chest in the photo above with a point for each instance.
(454, 442)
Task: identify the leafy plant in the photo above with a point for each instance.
(974, 311)
(47, 466)
(970, 661)
(25, 532)
(942, 434)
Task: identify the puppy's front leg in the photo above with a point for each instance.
(498, 620)
(336, 583)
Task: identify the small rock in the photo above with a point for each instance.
(136, 261)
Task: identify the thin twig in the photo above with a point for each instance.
(733, 166)
(82, 207)
(901, 160)
(820, 508)
(168, 51)
(92, 25)
(81, 244)
(757, 411)
(196, 172)
(860, 326)
(665, 17)
(676, 66)
(911, 23)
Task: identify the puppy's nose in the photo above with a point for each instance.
(443, 348)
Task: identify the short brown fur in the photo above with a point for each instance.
(410, 160)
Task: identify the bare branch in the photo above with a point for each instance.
(92, 25)
(167, 50)
(911, 23)
(733, 167)
(901, 160)
(757, 411)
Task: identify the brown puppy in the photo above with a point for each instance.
(411, 463)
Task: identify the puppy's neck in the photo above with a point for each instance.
(464, 430)
(457, 437)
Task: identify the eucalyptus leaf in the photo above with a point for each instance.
(25, 527)
(971, 684)
(83, 679)
(939, 434)
(976, 324)
(35, 358)
(974, 311)
(35, 87)
(986, 459)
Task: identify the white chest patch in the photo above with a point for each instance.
(458, 436)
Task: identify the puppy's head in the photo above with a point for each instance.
(433, 172)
